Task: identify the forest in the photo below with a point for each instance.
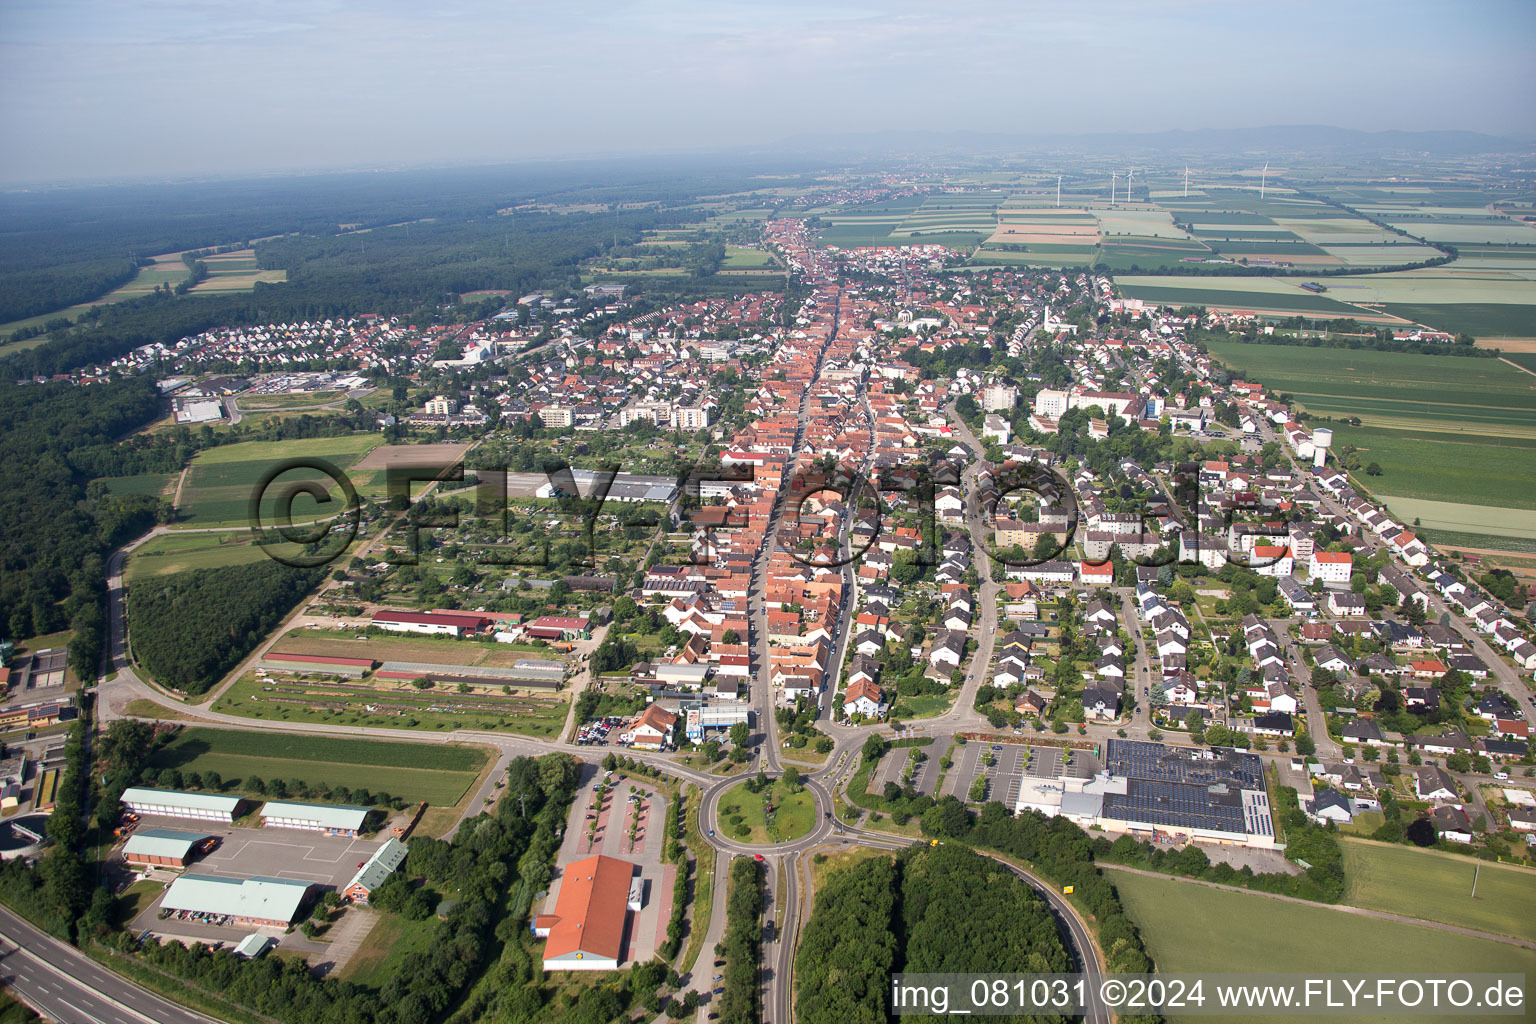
(943, 909)
(403, 243)
(192, 627)
(33, 292)
(53, 550)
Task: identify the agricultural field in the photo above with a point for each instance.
(235, 272)
(219, 483)
(1454, 437)
(172, 553)
(440, 774)
(146, 483)
(1282, 296)
(959, 221)
(1455, 517)
(1193, 928)
(1438, 886)
(1397, 389)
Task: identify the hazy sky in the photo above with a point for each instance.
(113, 88)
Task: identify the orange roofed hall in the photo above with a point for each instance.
(586, 930)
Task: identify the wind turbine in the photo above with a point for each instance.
(1114, 176)
(1263, 179)
(1058, 191)
(1186, 181)
(1128, 183)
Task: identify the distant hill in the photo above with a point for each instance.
(1309, 139)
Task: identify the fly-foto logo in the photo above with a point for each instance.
(832, 515)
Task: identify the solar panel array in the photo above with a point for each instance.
(1179, 788)
(1177, 805)
(1154, 762)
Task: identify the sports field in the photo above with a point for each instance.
(437, 773)
(1438, 887)
(1190, 928)
(221, 480)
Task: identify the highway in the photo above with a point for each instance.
(70, 987)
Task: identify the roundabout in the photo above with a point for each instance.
(766, 815)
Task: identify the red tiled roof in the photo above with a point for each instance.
(594, 898)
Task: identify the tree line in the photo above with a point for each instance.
(53, 550)
(742, 943)
(36, 291)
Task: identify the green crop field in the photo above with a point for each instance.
(1444, 429)
(171, 553)
(146, 483)
(1430, 388)
(1438, 887)
(1194, 928)
(438, 774)
(1458, 517)
(219, 483)
(1479, 319)
(1470, 470)
(1197, 293)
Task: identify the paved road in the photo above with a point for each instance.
(70, 987)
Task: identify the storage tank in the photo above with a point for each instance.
(1322, 438)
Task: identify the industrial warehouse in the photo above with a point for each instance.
(1150, 790)
(332, 819)
(164, 847)
(170, 803)
(246, 902)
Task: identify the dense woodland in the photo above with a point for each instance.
(939, 909)
(34, 292)
(54, 546)
(190, 628)
(429, 237)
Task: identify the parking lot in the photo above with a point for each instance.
(595, 733)
(1010, 763)
(328, 861)
(924, 777)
